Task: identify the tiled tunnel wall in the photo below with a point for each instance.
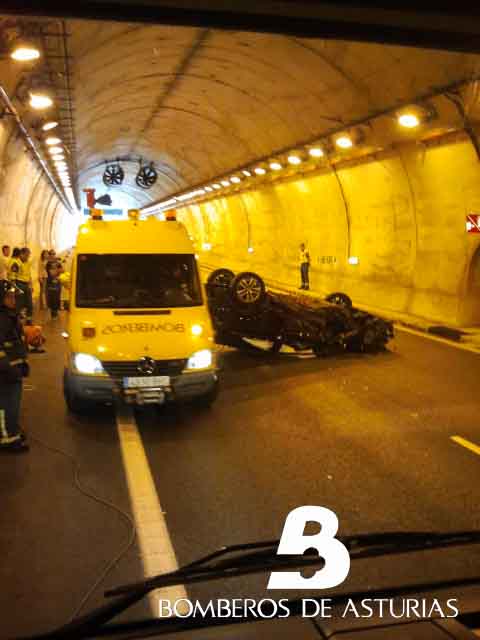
(403, 215)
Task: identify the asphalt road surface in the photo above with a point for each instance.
(369, 437)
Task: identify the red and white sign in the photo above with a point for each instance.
(473, 223)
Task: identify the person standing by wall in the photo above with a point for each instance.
(13, 367)
(304, 260)
(24, 283)
(4, 260)
(53, 286)
(42, 278)
(14, 265)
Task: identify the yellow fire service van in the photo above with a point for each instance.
(139, 326)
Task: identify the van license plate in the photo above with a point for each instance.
(146, 382)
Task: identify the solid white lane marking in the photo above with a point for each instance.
(429, 336)
(463, 442)
(156, 549)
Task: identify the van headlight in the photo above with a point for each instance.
(86, 363)
(200, 360)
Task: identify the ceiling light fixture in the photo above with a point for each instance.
(225, 183)
(25, 51)
(316, 152)
(408, 120)
(54, 150)
(48, 126)
(40, 100)
(260, 171)
(294, 159)
(344, 142)
(275, 166)
(52, 141)
(235, 179)
(246, 173)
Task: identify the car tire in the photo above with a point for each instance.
(218, 284)
(339, 298)
(75, 404)
(206, 400)
(248, 291)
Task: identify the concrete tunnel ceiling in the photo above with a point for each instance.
(198, 102)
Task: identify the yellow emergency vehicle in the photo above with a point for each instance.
(139, 326)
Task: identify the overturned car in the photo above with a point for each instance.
(242, 310)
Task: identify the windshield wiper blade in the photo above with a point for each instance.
(243, 559)
(256, 557)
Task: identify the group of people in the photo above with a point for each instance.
(17, 331)
(16, 267)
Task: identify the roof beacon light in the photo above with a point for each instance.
(133, 214)
(96, 214)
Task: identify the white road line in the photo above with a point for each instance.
(157, 553)
(463, 442)
(429, 336)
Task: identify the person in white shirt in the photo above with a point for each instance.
(304, 259)
(4, 260)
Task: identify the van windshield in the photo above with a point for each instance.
(140, 281)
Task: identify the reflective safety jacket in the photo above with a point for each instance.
(13, 269)
(24, 271)
(13, 353)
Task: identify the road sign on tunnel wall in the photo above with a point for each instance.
(473, 223)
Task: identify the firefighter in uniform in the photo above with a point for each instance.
(13, 367)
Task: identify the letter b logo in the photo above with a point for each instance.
(293, 542)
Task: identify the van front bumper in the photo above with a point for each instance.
(184, 387)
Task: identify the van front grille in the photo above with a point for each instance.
(130, 369)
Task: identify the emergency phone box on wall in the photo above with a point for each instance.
(139, 326)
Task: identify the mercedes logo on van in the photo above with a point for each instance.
(146, 365)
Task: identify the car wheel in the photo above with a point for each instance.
(248, 290)
(206, 400)
(340, 299)
(75, 404)
(218, 284)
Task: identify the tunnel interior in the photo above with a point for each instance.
(383, 216)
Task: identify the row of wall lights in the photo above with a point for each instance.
(407, 119)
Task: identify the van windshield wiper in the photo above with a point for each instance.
(250, 558)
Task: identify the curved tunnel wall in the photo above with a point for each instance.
(402, 214)
(31, 213)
